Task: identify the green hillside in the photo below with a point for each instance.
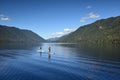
(12, 34)
(101, 31)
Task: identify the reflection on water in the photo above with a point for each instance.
(40, 54)
(48, 53)
(64, 62)
(18, 46)
(104, 51)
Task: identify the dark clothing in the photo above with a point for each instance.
(49, 49)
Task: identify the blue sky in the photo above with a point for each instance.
(53, 18)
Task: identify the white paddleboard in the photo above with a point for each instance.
(41, 51)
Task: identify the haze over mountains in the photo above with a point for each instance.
(13, 34)
(101, 31)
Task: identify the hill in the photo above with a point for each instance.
(101, 31)
(52, 39)
(13, 34)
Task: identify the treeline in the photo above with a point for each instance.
(101, 31)
(13, 34)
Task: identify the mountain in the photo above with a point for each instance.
(13, 34)
(52, 39)
(101, 31)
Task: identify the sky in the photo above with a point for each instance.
(54, 18)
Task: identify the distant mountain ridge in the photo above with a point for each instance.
(52, 39)
(13, 34)
(101, 31)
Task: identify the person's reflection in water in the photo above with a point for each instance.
(49, 55)
(40, 54)
(40, 51)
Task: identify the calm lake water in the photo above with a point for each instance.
(65, 62)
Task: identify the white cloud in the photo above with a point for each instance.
(89, 16)
(68, 30)
(92, 15)
(83, 19)
(4, 18)
(59, 34)
(88, 7)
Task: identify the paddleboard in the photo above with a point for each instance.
(41, 51)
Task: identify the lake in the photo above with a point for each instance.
(64, 62)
